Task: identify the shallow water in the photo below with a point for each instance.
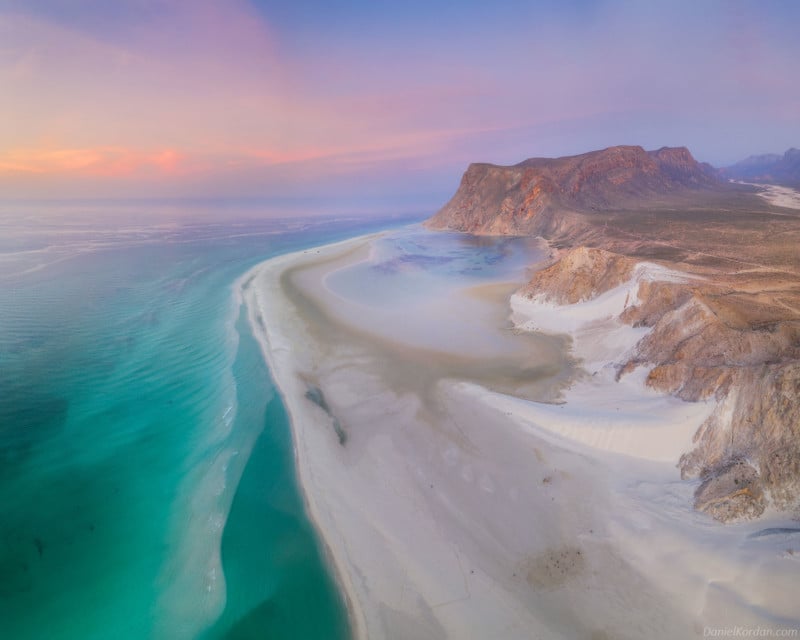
(131, 397)
(432, 306)
(412, 287)
(412, 266)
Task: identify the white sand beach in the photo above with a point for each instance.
(471, 479)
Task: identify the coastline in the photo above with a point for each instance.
(471, 583)
(274, 350)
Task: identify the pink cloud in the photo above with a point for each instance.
(210, 96)
(118, 162)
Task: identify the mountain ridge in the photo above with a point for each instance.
(529, 193)
(772, 168)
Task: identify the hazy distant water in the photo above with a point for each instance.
(414, 263)
(140, 434)
(428, 289)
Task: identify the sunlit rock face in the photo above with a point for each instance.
(581, 274)
(523, 198)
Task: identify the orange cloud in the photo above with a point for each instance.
(93, 162)
(168, 161)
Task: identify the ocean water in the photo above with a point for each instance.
(147, 487)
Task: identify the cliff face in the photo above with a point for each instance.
(773, 168)
(736, 341)
(581, 274)
(748, 451)
(524, 198)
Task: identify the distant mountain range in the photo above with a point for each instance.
(521, 198)
(770, 167)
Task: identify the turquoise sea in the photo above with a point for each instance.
(147, 484)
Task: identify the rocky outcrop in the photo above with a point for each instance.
(757, 420)
(710, 340)
(694, 332)
(733, 493)
(771, 167)
(752, 368)
(581, 274)
(534, 196)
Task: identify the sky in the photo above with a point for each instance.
(374, 102)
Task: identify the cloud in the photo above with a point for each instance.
(145, 95)
(94, 162)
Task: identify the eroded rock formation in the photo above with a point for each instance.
(581, 274)
(716, 337)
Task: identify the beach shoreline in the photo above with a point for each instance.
(513, 528)
(269, 346)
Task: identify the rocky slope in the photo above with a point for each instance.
(771, 167)
(523, 198)
(727, 341)
(581, 274)
(731, 333)
(722, 338)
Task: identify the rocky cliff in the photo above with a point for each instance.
(733, 339)
(581, 274)
(741, 346)
(529, 197)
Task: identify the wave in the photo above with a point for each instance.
(194, 580)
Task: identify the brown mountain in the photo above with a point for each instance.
(522, 198)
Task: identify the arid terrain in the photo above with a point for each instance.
(729, 331)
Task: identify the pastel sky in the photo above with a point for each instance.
(375, 100)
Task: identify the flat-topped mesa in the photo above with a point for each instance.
(521, 199)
